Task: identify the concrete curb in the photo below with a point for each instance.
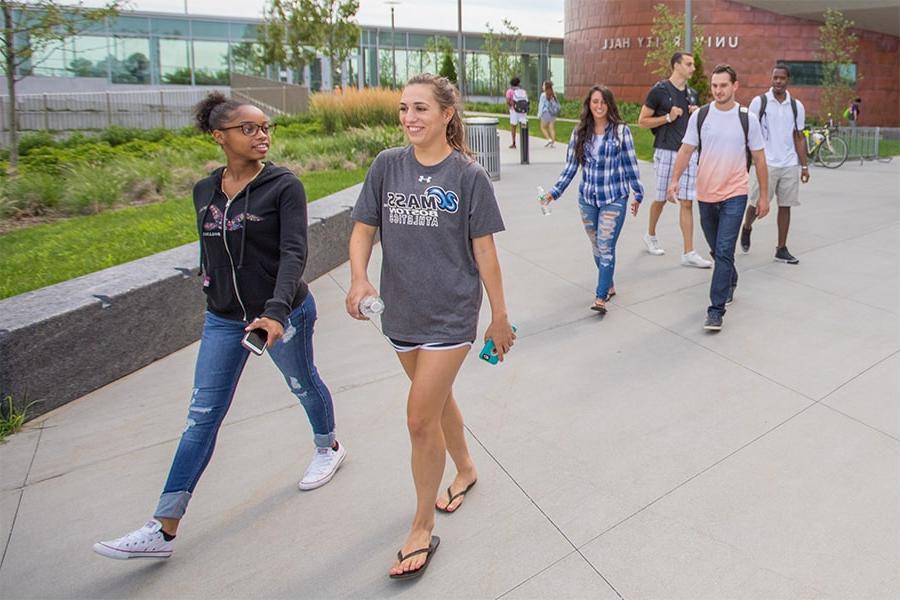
(65, 340)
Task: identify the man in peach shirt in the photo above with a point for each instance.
(727, 135)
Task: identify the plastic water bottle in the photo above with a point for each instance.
(371, 306)
(545, 206)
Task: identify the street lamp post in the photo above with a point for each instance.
(461, 76)
(392, 4)
(688, 28)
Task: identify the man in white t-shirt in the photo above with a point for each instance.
(781, 118)
(725, 135)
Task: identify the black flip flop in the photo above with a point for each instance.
(453, 497)
(430, 550)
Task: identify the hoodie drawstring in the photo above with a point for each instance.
(212, 198)
(244, 228)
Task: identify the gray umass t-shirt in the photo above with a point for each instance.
(428, 216)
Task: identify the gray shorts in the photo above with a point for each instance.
(784, 183)
(664, 163)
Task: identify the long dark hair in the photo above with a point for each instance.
(585, 129)
(447, 96)
(548, 90)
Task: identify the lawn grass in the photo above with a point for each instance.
(46, 254)
(889, 148)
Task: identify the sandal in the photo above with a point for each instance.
(430, 550)
(599, 305)
(453, 497)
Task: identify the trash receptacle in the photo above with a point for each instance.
(484, 140)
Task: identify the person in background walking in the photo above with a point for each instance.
(435, 211)
(251, 217)
(603, 147)
(781, 119)
(666, 111)
(852, 112)
(726, 136)
(517, 101)
(548, 111)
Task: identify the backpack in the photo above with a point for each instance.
(692, 96)
(743, 115)
(520, 100)
(553, 107)
(763, 100)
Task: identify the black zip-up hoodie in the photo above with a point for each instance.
(253, 249)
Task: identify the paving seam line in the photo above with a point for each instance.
(12, 526)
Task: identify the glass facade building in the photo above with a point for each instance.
(158, 48)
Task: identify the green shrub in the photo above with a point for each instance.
(91, 188)
(33, 195)
(33, 140)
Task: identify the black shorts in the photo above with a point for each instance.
(401, 346)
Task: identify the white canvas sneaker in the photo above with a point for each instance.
(322, 468)
(146, 542)
(653, 246)
(692, 259)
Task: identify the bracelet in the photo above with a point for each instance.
(804, 168)
(668, 118)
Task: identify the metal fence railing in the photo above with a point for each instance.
(862, 142)
(98, 110)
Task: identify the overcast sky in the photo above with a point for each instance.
(533, 17)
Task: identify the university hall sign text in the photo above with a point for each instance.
(711, 41)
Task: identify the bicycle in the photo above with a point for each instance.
(830, 151)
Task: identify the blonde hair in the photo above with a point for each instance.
(447, 96)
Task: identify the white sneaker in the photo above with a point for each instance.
(692, 259)
(324, 465)
(653, 246)
(146, 542)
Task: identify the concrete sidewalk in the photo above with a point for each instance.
(631, 456)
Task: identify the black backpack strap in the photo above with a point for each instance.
(763, 100)
(744, 116)
(701, 116)
(794, 110)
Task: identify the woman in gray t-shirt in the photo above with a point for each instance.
(437, 213)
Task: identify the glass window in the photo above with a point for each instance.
(243, 31)
(418, 40)
(169, 26)
(124, 24)
(211, 63)
(813, 72)
(209, 29)
(88, 57)
(129, 60)
(246, 58)
(558, 74)
(174, 61)
(52, 60)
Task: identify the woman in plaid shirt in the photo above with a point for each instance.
(602, 145)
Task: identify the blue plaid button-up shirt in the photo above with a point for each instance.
(608, 171)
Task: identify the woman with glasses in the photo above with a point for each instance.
(251, 217)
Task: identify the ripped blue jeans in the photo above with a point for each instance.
(603, 225)
(219, 364)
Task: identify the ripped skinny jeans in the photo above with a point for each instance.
(603, 225)
(219, 364)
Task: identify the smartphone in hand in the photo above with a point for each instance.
(489, 352)
(255, 341)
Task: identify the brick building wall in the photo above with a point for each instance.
(606, 42)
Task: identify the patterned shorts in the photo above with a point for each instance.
(401, 346)
(664, 163)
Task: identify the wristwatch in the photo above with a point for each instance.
(668, 118)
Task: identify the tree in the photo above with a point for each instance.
(839, 47)
(295, 30)
(699, 81)
(436, 47)
(248, 58)
(29, 30)
(666, 32)
(448, 69)
(502, 49)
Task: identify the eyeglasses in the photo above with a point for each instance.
(250, 129)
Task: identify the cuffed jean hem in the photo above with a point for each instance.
(172, 505)
(324, 440)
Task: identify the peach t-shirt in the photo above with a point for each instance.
(722, 172)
